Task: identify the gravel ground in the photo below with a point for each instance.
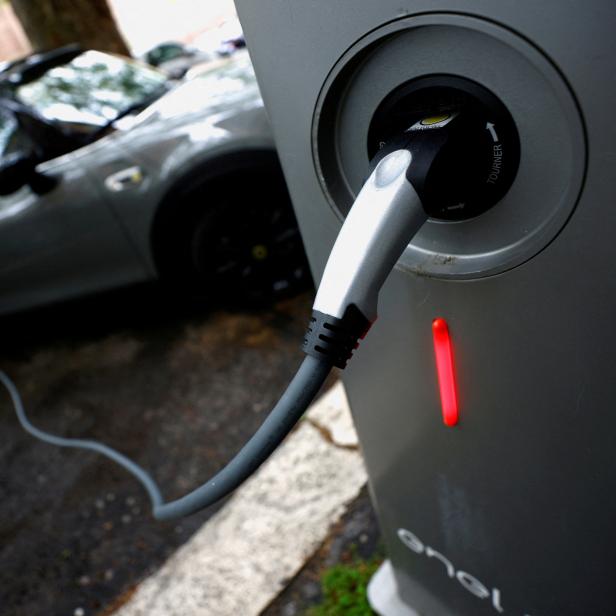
(178, 389)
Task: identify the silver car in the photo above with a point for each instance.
(110, 175)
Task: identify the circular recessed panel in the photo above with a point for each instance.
(551, 136)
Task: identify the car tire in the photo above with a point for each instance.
(236, 240)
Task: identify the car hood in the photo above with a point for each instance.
(217, 87)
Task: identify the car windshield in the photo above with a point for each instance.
(92, 90)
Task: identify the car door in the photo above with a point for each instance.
(65, 242)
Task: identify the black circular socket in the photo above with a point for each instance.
(481, 161)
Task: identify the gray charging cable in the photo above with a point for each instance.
(386, 215)
(295, 400)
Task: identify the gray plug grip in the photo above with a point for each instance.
(384, 218)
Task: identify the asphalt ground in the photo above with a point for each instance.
(177, 388)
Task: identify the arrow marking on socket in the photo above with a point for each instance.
(490, 127)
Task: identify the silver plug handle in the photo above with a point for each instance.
(384, 218)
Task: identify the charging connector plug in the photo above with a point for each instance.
(435, 163)
(385, 216)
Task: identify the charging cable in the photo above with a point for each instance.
(295, 400)
(389, 210)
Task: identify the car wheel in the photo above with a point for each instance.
(241, 242)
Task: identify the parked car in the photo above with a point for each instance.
(110, 175)
(224, 40)
(174, 58)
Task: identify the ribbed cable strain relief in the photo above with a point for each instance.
(333, 339)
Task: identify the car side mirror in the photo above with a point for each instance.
(18, 169)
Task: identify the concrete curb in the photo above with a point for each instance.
(240, 560)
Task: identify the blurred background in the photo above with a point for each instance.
(137, 25)
(153, 294)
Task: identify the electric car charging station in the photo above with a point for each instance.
(483, 394)
(451, 167)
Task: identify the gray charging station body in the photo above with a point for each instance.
(512, 511)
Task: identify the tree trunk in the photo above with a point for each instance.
(53, 23)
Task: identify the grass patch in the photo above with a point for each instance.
(344, 589)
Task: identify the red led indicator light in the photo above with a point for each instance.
(444, 369)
